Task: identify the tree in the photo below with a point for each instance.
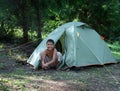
(43, 16)
(21, 13)
(36, 4)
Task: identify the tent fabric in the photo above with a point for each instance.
(82, 46)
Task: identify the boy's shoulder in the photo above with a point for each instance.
(45, 51)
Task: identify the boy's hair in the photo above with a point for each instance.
(50, 40)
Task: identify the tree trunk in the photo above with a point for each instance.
(24, 22)
(37, 7)
(39, 30)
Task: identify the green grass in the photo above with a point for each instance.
(115, 48)
(3, 87)
(23, 79)
(1, 65)
(1, 46)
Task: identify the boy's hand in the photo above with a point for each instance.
(45, 65)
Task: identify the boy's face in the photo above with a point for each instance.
(50, 45)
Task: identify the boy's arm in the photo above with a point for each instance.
(54, 58)
(43, 57)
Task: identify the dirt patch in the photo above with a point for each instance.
(16, 76)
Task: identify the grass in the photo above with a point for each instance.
(1, 65)
(115, 48)
(21, 78)
(3, 87)
(18, 55)
(1, 46)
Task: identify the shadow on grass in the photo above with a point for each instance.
(18, 77)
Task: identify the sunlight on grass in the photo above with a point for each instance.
(8, 82)
(115, 48)
(18, 33)
(3, 86)
(82, 81)
(19, 56)
(23, 79)
(64, 75)
(116, 54)
(1, 46)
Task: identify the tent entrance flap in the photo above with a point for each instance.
(60, 44)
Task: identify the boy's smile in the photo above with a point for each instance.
(50, 46)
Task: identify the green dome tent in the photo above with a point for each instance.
(81, 46)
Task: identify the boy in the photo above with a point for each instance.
(50, 57)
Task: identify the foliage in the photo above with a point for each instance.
(43, 16)
(115, 48)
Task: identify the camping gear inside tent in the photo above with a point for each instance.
(81, 46)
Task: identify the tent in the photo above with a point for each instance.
(81, 46)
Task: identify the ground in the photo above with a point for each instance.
(17, 76)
